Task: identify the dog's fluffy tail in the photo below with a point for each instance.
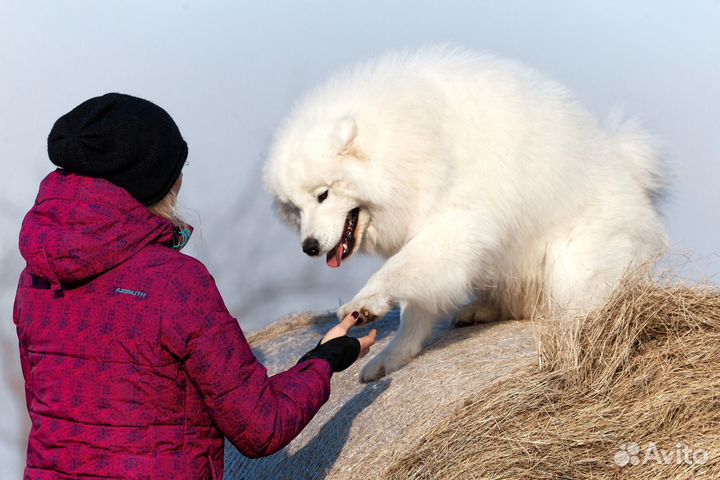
(639, 151)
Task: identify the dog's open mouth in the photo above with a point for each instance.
(345, 246)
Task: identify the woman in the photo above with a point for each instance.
(133, 366)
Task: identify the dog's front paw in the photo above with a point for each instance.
(382, 364)
(369, 307)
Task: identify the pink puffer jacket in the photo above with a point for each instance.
(133, 366)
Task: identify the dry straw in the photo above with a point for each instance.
(632, 391)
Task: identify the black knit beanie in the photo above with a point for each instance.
(129, 141)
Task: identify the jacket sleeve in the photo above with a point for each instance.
(24, 360)
(257, 413)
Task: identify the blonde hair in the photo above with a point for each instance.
(167, 208)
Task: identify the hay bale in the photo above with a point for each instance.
(632, 391)
(363, 428)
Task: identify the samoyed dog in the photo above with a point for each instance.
(489, 190)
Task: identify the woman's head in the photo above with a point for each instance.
(126, 140)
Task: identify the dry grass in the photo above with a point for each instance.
(643, 369)
(287, 326)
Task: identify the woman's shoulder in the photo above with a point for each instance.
(190, 286)
(163, 261)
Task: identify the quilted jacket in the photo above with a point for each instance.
(133, 366)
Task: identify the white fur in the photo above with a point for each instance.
(477, 178)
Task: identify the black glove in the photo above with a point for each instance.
(341, 352)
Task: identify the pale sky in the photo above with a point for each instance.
(229, 71)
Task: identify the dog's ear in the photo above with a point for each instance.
(346, 132)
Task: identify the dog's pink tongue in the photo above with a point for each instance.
(335, 260)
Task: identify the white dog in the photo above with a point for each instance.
(478, 179)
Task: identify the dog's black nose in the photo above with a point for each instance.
(311, 246)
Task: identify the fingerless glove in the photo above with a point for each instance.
(341, 352)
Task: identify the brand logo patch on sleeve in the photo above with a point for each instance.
(127, 291)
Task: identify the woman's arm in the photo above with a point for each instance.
(257, 413)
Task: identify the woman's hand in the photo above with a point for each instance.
(340, 350)
(342, 329)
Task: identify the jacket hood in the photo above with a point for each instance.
(81, 227)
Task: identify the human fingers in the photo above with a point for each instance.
(349, 321)
(341, 328)
(368, 340)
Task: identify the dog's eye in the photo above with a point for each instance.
(321, 198)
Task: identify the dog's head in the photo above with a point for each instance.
(315, 172)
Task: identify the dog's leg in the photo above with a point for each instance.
(433, 271)
(433, 275)
(415, 327)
